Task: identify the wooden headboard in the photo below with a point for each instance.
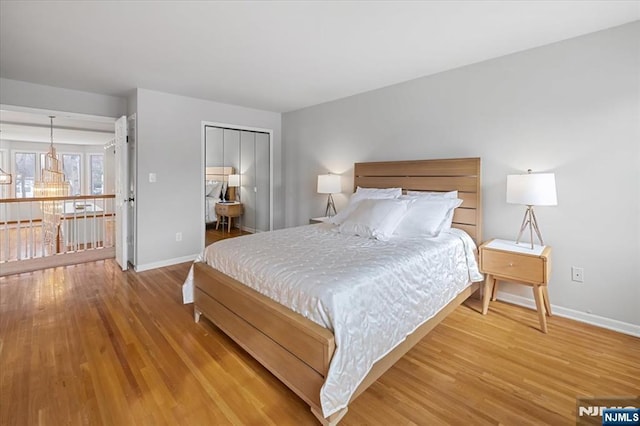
(220, 174)
(461, 174)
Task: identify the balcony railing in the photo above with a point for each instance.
(38, 233)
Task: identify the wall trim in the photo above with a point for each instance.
(608, 323)
(166, 262)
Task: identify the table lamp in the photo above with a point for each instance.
(531, 189)
(233, 182)
(329, 184)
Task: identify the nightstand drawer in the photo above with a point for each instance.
(228, 209)
(512, 265)
(222, 209)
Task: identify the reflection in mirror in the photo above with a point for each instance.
(237, 182)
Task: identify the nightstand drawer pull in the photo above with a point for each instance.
(510, 263)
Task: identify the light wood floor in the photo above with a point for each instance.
(88, 344)
(212, 234)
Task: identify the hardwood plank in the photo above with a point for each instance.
(61, 330)
(418, 183)
(445, 167)
(212, 234)
(470, 200)
(465, 216)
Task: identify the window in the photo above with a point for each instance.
(5, 190)
(96, 170)
(71, 169)
(29, 165)
(25, 174)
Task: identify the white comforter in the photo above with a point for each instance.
(210, 209)
(370, 293)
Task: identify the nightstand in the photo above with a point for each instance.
(318, 219)
(228, 210)
(505, 260)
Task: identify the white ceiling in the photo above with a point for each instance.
(67, 129)
(275, 55)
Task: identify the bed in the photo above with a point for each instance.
(310, 353)
(216, 180)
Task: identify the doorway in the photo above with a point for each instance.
(82, 217)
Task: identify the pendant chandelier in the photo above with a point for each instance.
(5, 178)
(52, 184)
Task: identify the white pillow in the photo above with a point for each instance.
(212, 189)
(208, 186)
(437, 195)
(363, 194)
(427, 216)
(375, 218)
(450, 194)
(448, 221)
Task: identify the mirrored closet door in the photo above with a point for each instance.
(237, 179)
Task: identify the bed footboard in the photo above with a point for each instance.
(295, 349)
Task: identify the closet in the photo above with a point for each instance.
(245, 156)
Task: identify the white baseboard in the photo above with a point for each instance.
(162, 263)
(611, 324)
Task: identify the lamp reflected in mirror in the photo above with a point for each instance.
(233, 183)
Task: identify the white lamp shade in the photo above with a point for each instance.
(329, 184)
(234, 180)
(532, 189)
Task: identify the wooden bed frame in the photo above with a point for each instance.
(297, 350)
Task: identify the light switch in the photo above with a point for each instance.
(152, 177)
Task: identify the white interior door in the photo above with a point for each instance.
(122, 192)
(131, 224)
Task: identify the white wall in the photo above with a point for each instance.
(23, 94)
(170, 145)
(572, 108)
(41, 97)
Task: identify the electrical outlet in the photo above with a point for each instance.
(577, 274)
(178, 236)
